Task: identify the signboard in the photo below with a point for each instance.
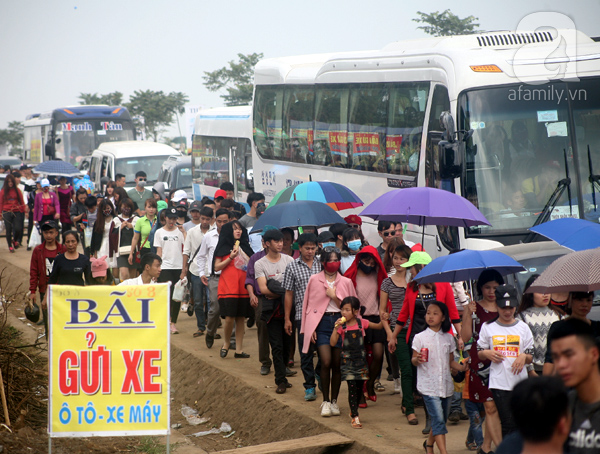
(109, 360)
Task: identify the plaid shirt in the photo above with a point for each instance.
(296, 279)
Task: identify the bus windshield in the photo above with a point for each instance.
(149, 164)
(527, 138)
(75, 139)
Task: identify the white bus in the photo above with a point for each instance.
(371, 121)
(221, 151)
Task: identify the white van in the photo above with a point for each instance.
(128, 158)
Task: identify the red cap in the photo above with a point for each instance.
(220, 193)
(353, 219)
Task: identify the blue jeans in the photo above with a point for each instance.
(325, 328)
(476, 414)
(306, 359)
(456, 404)
(199, 295)
(438, 409)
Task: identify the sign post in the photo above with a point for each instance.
(109, 350)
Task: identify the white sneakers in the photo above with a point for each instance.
(397, 386)
(326, 409)
(330, 409)
(335, 410)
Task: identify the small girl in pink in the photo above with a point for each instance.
(354, 359)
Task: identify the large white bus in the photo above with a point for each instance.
(221, 151)
(527, 122)
(70, 133)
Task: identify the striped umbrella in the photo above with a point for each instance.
(337, 196)
(574, 272)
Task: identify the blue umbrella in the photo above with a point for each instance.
(57, 168)
(575, 234)
(298, 213)
(467, 265)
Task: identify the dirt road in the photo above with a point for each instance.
(233, 390)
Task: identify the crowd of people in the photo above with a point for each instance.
(490, 359)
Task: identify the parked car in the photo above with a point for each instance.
(13, 162)
(176, 173)
(536, 257)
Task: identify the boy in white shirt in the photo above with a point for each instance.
(508, 344)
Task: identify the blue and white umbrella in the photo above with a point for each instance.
(57, 168)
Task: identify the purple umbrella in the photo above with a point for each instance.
(425, 206)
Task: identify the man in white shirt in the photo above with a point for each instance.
(204, 261)
(150, 264)
(191, 247)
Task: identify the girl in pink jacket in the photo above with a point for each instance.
(320, 310)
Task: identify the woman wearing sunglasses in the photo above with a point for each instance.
(320, 310)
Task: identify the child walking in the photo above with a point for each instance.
(354, 358)
(433, 356)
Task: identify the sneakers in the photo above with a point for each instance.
(310, 394)
(264, 370)
(397, 386)
(326, 409)
(356, 423)
(335, 410)
(454, 417)
(289, 372)
(11, 249)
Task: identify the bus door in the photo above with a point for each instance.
(447, 237)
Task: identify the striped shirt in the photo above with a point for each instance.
(295, 279)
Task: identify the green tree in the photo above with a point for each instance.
(13, 137)
(111, 99)
(446, 24)
(236, 78)
(157, 110)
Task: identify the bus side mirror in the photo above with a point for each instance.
(49, 150)
(451, 162)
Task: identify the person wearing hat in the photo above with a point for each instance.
(325, 239)
(416, 300)
(46, 205)
(508, 344)
(169, 241)
(42, 259)
(13, 209)
(194, 215)
(139, 194)
(220, 195)
(101, 275)
(355, 222)
(178, 196)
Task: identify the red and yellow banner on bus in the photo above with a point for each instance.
(109, 360)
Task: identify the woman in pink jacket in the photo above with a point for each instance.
(320, 310)
(46, 206)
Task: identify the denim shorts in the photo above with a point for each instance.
(438, 409)
(325, 328)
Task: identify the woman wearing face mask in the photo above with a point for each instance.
(105, 237)
(367, 273)
(352, 244)
(125, 222)
(46, 205)
(320, 310)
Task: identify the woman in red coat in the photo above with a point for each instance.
(13, 208)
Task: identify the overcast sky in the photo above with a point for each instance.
(52, 50)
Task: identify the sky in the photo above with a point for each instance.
(53, 50)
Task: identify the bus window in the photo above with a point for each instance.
(267, 122)
(298, 111)
(211, 158)
(104, 168)
(242, 150)
(331, 127)
(405, 127)
(368, 121)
